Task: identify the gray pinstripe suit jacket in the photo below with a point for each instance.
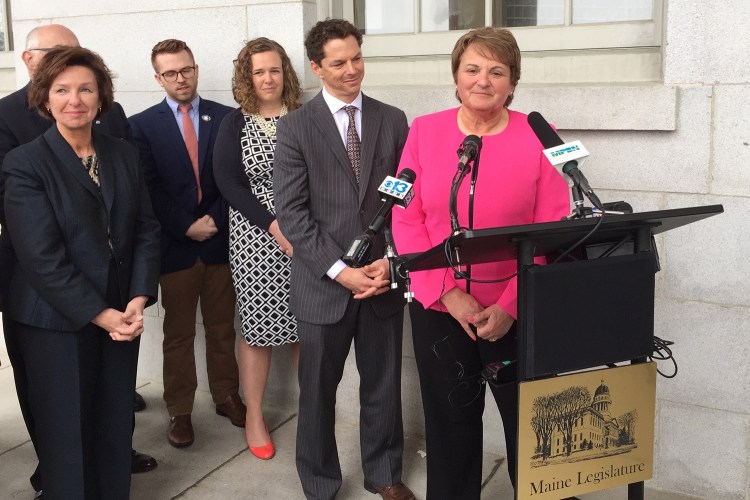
(319, 206)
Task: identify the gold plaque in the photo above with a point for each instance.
(586, 431)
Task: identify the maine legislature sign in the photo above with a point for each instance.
(586, 431)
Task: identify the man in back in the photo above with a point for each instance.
(176, 139)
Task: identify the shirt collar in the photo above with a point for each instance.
(173, 105)
(335, 104)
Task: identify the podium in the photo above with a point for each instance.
(590, 311)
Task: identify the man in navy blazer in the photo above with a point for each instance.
(20, 124)
(176, 139)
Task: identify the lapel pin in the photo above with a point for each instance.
(205, 118)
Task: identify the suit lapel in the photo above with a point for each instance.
(169, 125)
(204, 131)
(371, 120)
(326, 125)
(71, 162)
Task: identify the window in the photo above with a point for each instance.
(6, 40)
(611, 40)
(421, 25)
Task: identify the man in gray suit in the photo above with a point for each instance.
(331, 155)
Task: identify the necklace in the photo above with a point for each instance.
(268, 126)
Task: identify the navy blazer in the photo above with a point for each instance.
(21, 124)
(66, 231)
(171, 183)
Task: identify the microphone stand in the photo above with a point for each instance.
(453, 200)
(474, 175)
(390, 254)
(395, 266)
(453, 208)
(579, 211)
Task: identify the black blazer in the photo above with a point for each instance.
(171, 183)
(20, 124)
(63, 226)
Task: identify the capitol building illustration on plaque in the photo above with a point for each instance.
(586, 431)
(570, 426)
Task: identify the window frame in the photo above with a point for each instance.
(614, 35)
(6, 25)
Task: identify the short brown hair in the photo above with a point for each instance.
(499, 43)
(58, 60)
(242, 78)
(323, 31)
(169, 46)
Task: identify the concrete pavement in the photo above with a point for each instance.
(219, 466)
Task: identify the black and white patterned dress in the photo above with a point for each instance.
(259, 268)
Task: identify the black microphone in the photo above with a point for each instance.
(468, 151)
(549, 139)
(394, 191)
(544, 131)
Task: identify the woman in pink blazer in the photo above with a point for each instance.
(516, 185)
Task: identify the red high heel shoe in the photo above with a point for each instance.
(265, 452)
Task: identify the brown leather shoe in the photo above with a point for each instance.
(180, 432)
(398, 491)
(234, 409)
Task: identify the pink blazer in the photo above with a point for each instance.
(516, 185)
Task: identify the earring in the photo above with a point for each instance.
(48, 111)
(100, 109)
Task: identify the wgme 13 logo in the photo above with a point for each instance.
(395, 188)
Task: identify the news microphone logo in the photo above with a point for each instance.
(398, 189)
(564, 153)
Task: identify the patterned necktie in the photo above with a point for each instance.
(352, 142)
(191, 142)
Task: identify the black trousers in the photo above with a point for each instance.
(12, 344)
(79, 389)
(22, 388)
(449, 365)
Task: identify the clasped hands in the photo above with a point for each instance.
(202, 229)
(126, 325)
(492, 323)
(372, 279)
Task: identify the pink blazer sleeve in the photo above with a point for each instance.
(410, 232)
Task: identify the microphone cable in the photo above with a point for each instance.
(464, 276)
(662, 352)
(580, 241)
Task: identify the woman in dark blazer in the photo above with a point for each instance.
(78, 213)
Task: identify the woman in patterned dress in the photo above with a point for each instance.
(266, 87)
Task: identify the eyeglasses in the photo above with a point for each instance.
(171, 76)
(42, 49)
